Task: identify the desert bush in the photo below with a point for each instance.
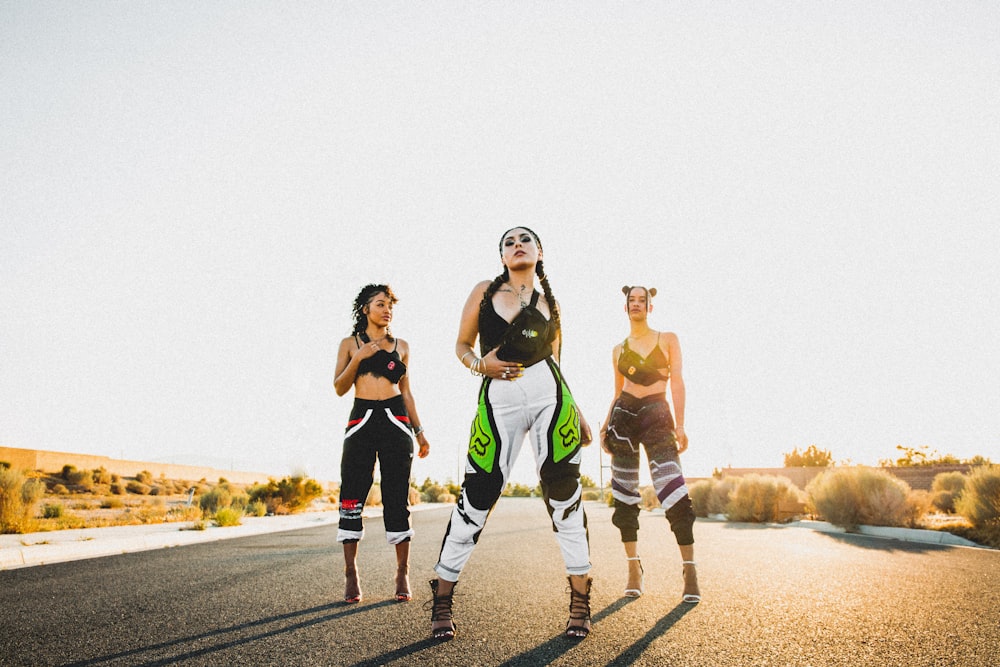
(446, 497)
(256, 508)
(699, 492)
(60, 490)
(413, 496)
(137, 487)
(218, 498)
(18, 497)
(513, 490)
(144, 477)
(151, 514)
(432, 492)
(374, 496)
(649, 500)
(184, 513)
(101, 476)
(52, 510)
(288, 494)
(117, 488)
(718, 500)
(67, 470)
(980, 501)
(852, 496)
(228, 516)
(756, 498)
(592, 494)
(946, 489)
(112, 503)
(79, 478)
(4, 465)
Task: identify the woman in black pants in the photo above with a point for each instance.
(382, 425)
(645, 363)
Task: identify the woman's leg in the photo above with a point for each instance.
(356, 466)
(498, 431)
(395, 456)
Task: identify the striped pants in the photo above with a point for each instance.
(648, 421)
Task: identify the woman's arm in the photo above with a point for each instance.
(468, 327)
(468, 332)
(347, 365)
(411, 407)
(619, 383)
(677, 394)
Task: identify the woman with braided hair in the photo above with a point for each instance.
(522, 392)
(644, 363)
(383, 424)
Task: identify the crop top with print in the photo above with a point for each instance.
(383, 363)
(644, 370)
(526, 339)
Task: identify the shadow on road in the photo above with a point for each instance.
(634, 652)
(885, 544)
(160, 654)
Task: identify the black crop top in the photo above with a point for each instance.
(383, 363)
(644, 371)
(526, 339)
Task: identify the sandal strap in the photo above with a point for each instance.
(441, 606)
(579, 603)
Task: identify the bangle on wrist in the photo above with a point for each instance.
(465, 355)
(417, 430)
(679, 428)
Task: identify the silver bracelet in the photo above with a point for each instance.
(417, 431)
(465, 355)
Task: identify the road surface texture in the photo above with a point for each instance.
(772, 596)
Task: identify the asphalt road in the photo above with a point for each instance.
(772, 596)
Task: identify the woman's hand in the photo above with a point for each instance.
(682, 440)
(604, 438)
(498, 369)
(367, 350)
(425, 447)
(586, 436)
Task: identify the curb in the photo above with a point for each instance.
(76, 544)
(919, 535)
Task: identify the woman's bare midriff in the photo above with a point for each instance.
(642, 391)
(372, 388)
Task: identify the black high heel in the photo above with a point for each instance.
(579, 610)
(441, 611)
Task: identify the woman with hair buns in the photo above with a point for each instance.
(522, 392)
(382, 425)
(644, 363)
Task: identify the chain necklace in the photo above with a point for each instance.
(520, 295)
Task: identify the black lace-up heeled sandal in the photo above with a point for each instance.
(579, 610)
(441, 611)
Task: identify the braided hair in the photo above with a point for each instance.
(539, 271)
(364, 297)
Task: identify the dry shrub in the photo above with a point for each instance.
(718, 500)
(756, 498)
(18, 497)
(592, 494)
(374, 496)
(445, 497)
(700, 492)
(228, 516)
(980, 501)
(649, 500)
(413, 497)
(855, 496)
(433, 492)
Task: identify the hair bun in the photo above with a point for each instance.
(652, 291)
(626, 289)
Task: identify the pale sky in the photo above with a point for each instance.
(192, 194)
